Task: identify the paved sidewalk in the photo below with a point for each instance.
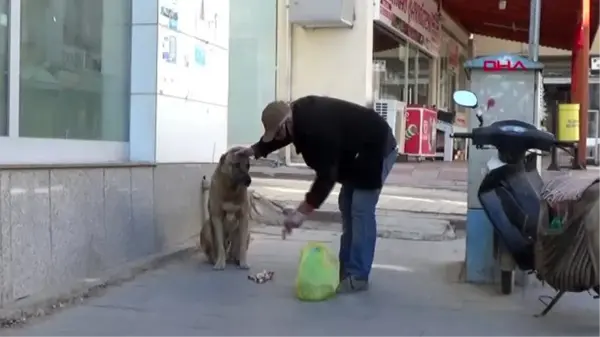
(393, 198)
(429, 175)
(438, 175)
(414, 292)
(402, 213)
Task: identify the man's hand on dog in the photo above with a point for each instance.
(247, 151)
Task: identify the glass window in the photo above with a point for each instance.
(594, 93)
(419, 73)
(424, 64)
(413, 66)
(378, 75)
(74, 69)
(4, 36)
(594, 121)
(252, 66)
(463, 83)
(443, 100)
(390, 72)
(401, 69)
(451, 90)
(556, 68)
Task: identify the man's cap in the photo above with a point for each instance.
(273, 116)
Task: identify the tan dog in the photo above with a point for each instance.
(225, 236)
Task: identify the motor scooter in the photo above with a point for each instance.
(547, 228)
(510, 192)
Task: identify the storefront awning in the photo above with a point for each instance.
(559, 19)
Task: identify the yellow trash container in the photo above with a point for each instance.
(568, 123)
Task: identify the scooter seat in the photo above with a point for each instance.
(567, 249)
(566, 188)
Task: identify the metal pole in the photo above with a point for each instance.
(583, 97)
(580, 79)
(535, 13)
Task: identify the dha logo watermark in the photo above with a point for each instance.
(502, 65)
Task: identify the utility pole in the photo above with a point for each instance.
(579, 79)
(535, 13)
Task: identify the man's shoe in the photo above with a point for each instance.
(351, 284)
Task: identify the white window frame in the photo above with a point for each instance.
(17, 150)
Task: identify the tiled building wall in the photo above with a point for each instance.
(60, 226)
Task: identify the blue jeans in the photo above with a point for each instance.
(357, 244)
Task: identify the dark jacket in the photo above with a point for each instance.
(342, 141)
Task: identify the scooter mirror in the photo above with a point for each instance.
(465, 98)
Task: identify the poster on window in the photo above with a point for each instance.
(191, 69)
(209, 21)
(169, 81)
(192, 80)
(205, 20)
(210, 65)
(168, 48)
(168, 13)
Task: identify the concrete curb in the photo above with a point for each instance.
(457, 221)
(310, 177)
(47, 301)
(447, 234)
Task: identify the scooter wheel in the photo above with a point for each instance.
(506, 282)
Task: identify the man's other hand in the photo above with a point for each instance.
(294, 218)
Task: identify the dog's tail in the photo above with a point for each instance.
(206, 240)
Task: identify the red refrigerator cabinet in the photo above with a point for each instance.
(420, 129)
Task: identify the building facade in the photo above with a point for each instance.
(404, 50)
(112, 113)
(111, 81)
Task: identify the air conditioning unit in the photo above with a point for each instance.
(394, 113)
(595, 63)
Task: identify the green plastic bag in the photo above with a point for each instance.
(318, 273)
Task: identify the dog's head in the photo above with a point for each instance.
(236, 167)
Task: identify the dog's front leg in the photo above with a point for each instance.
(243, 242)
(221, 258)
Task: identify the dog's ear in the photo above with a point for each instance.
(222, 159)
